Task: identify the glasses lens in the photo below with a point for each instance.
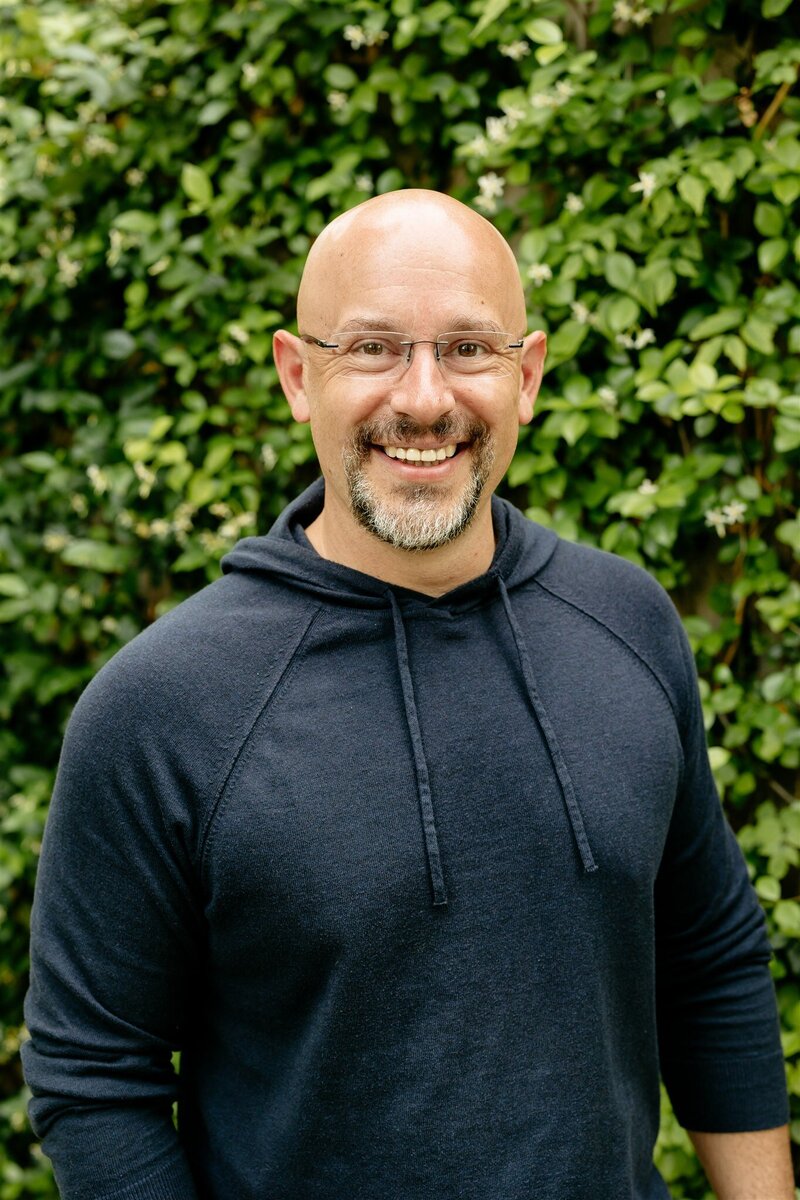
(372, 350)
(470, 350)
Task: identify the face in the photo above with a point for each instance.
(423, 277)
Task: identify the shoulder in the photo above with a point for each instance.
(629, 604)
(195, 674)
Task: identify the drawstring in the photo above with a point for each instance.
(567, 789)
(423, 779)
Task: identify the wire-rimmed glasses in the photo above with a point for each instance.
(374, 351)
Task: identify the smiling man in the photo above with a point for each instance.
(403, 831)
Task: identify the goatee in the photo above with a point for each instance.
(417, 516)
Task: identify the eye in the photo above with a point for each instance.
(371, 348)
(468, 349)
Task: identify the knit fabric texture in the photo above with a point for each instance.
(427, 892)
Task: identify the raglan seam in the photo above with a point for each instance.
(241, 750)
(617, 637)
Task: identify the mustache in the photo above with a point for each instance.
(398, 431)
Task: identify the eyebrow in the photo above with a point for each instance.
(380, 324)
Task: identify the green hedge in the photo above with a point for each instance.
(163, 170)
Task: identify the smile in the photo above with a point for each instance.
(413, 454)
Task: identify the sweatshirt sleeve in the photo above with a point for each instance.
(719, 1041)
(115, 937)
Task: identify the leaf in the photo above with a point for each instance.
(493, 10)
(213, 112)
(13, 585)
(544, 55)
(117, 344)
(98, 556)
(685, 109)
(620, 271)
(38, 460)
(545, 32)
(197, 185)
(693, 191)
(718, 322)
(564, 343)
(771, 253)
(622, 313)
(759, 335)
(786, 189)
(768, 219)
(340, 77)
(774, 8)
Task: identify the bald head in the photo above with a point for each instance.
(404, 245)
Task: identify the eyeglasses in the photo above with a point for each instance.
(374, 351)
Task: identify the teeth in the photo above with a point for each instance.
(412, 454)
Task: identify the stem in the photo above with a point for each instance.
(777, 101)
(782, 792)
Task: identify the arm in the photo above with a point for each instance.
(747, 1166)
(114, 936)
(718, 1025)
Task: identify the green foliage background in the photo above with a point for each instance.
(164, 167)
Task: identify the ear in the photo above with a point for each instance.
(289, 354)
(534, 349)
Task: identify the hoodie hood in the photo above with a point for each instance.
(522, 550)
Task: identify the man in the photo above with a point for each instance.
(403, 831)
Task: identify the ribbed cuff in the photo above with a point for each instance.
(728, 1096)
(170, 1182)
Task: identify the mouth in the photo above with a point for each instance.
(421, 456)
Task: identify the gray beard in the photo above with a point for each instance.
(420, 518)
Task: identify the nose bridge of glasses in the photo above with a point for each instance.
(435, 344)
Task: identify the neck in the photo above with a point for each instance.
(431, 572)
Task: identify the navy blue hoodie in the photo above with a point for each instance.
(425, 891)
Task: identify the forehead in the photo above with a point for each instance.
(413, 274)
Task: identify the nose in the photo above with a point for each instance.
(423, 391)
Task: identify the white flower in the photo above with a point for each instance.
(68, 269)
(641, 16)
(133, 177)
(250, 72)
(497, 129)
(647, 488)
(715, 518)
(607, 397)
(337, 100)
(160, 528)
(229, 354)
(78, 504)
(491, 185)
(734, 512)
(564, 90)
(514, 114)
(158, 90)
(487, 203)
(95, 144)
(160, 265)
(364, 183)
(239, 334)
(97, 478)
(543, 100)
(54, 541)
(622, 11)
(625, 340)
(515, 50)
(539, 273)
(355, 35)
(109, 624)
(573, 203)
(268, 457)
(647, 184)
(146, 479)
(661, 95)
(582, 313)
(479, 145)
(645, 338)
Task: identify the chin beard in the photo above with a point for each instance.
(417, 516)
